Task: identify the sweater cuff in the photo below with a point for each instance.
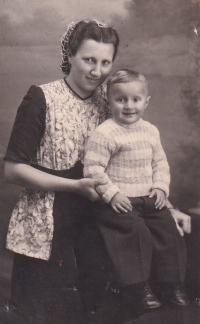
(110, 192)
(164, 187)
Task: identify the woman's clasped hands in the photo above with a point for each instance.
(87, 188)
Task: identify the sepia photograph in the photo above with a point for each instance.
(100, 162)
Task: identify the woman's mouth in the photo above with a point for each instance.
(93, 80)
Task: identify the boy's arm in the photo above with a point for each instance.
(160, 167)
(98, 153)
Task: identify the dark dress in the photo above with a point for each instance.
(50, 291)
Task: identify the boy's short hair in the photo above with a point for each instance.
(125, 76)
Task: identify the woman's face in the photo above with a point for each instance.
(90, 66)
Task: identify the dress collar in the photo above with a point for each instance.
(74, 93)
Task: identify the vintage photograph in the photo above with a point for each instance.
(99, 168)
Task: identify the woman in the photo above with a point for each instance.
(48, 138)
(44, 156)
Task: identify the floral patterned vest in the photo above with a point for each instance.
(69, 122)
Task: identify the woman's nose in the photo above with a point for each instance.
(96, 70)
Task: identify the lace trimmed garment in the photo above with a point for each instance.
(51, 131)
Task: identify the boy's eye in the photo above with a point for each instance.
(120, 99)
(136, 99)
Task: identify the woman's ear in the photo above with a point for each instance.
(70, 58)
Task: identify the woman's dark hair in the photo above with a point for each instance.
(89, 30)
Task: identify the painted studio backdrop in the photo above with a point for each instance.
(158, 38)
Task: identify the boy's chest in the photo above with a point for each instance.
(137, 144)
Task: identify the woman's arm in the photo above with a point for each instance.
(183, 221)
(26, 176)
(25, 138)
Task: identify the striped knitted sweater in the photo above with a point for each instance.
(129, 157)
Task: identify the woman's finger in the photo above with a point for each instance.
(96, 197)
(92, 195)
(180, 230)
(98, 182)
(186, 224)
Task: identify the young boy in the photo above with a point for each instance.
(139, 233)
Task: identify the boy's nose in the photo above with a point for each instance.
(129, 104)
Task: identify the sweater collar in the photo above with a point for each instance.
(129, 126)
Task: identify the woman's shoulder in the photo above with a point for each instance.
(33, 98)
(56, 91)
(35, 93)
(52, 84)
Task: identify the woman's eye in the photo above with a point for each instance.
(120, 100)
(106, 62)
(89, 60)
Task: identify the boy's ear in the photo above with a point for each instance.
(147, 101)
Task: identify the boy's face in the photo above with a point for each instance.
(128, 101)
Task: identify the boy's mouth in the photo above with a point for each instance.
(129, 113)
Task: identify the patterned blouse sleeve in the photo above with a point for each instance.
(28, 127)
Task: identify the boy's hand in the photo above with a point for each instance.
(160, 198)
(120, 203)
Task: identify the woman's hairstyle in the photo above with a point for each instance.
(125, 76)
(85, 29)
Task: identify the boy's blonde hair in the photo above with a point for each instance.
(125, 76)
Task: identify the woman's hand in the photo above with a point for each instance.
(183, 221)
(160, 198)
(26, 176)
(87, 188)
(120, 203)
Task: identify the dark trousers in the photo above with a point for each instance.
(141, 239)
